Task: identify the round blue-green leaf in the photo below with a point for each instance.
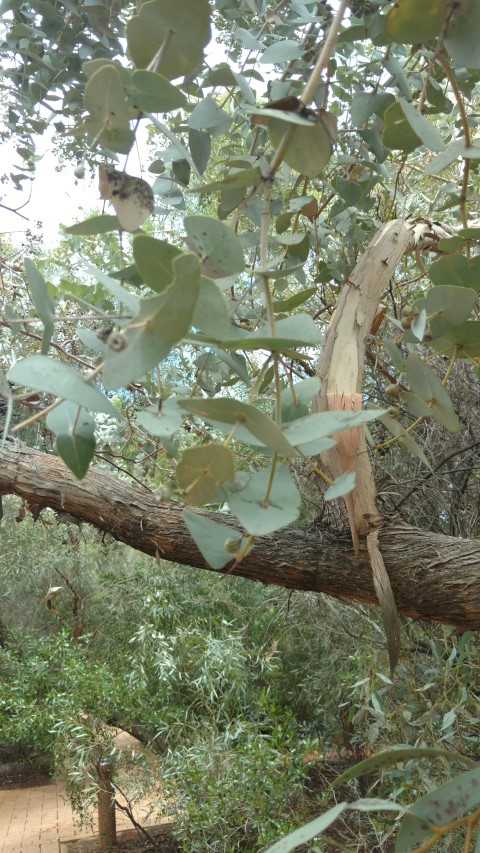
(109, 117)
(281, 51)
(208, 114)
(153, 93)
(462, 38)
(54, 377)
(456, 270)
(181, 26)
(201, 470)
(398, 132)
(424, 129)
(295, 399)
(342, 485)
(154, 261)
(323, 424)
(215, 242)
(162, 322)
(162, 421)
(450, 305)
(260, 514)
(406, 24)
(464, 339)
(428, 387)
(310, 147)
(200, 144)
(418, 324)
(210, 538)
(211, 314)
(95, 225)
(75, 431)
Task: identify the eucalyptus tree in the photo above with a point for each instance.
(316, 186)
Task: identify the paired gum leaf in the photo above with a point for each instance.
(293, 332)
(462, 38)
(426, 385)
(390, 757)
(234, 180)
(405, 438)
(162, 422)
(281, 51)
(424, 129)
(153, 93)
(202, 469)
(119, 293)
(109, 119)
(200, 145)
(343, 484)
(208, 114)
(456, 270)
(450, 306)
(248, 418)
(182, 27)
(295, 400)
(398, 132)
(395, 354)
(260, 515)
(161, 323)
(451, 153)
(315, 827)
(438, 808)
(323, 424)
(211, 315)
(463, 339)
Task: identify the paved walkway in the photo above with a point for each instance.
(35, 820)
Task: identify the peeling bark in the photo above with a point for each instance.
(341, 364)
(434, 578)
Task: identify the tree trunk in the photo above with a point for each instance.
(107, 828)
(434, 578)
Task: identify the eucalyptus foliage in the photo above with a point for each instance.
(271, 168)
(289, 190)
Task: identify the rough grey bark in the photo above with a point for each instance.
(434, 578)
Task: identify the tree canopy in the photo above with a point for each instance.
(261, 355)
(192, 344)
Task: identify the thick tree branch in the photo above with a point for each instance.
(434, 578)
